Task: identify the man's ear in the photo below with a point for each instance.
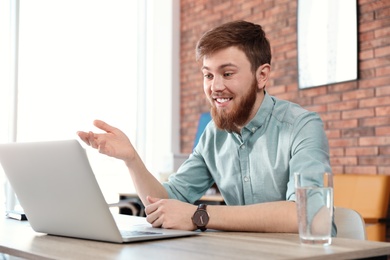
(262, 75)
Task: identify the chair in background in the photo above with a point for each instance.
(204, 119)
(350, 224)
(130, 206)
(368, 195)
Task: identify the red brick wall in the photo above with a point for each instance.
(356, 114)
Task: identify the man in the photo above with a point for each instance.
(250, 150)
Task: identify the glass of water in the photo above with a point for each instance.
(314, 199)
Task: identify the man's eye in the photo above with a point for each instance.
(208, 76)
(228, 74)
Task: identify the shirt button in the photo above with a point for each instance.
(246, 178)
(242, 146)
(254, 129)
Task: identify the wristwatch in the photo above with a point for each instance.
(201, 217)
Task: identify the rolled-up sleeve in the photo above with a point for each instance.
(191, 181)
(309, 151)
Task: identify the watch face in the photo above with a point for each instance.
(201, 218)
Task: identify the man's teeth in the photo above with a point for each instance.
(222, 100)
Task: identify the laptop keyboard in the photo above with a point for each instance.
(133, 233)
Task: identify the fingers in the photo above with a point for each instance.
(152, 199)
(104, 126)
(156, 223)
(83, 136)
(155, 219)
(87, 138)
(152, 207)
(152, 212)
(92, 139)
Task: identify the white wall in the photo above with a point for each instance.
(163, 84)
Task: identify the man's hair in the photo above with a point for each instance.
(248, 37)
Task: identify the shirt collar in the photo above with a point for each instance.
(262, 114)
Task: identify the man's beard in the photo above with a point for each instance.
(239, 114)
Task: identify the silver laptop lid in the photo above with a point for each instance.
(58, 190)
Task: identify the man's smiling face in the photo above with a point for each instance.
(231, 88)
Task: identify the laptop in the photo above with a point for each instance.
(60, 195)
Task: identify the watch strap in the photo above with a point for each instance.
(202, 206)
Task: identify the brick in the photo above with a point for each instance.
(345, 160)
(291, 53)
(365, 38)
(381, 32)
(358, 151)
(288, 96)
(357, 132)
(285, 80)
(384, 150)
(383, 51)
(343, 87)
(292, 87)
(369, 6)
(342, 124)
(373, 160)
(374, 82)
(358, 113)
(338, 169)
(360, 169)
(373, 102)
(342, 106)
(374, 121)
(312, 92)
(333, 133)
(367, 73)
(374, 63)
(331, 116)
(329, 98)
(366, 54)
(382, 71)
(276, 90)
(383, 91)
(369, 26)
(382, 13)
(240, 14)
(343, 142)
(222, 6)
(358, 94)
(384, 130)
(385, 170)
(366, 17)
(335, 152)
(317, 108)
(374, 141)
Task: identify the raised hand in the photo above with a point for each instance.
(113, 142)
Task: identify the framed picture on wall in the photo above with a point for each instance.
(327, 42)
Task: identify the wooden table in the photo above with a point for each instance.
(18, 239)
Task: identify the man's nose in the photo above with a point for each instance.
(217, 84)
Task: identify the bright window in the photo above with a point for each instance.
(77, 62)
(80, 60)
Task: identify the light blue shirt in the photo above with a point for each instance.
(258, 164)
